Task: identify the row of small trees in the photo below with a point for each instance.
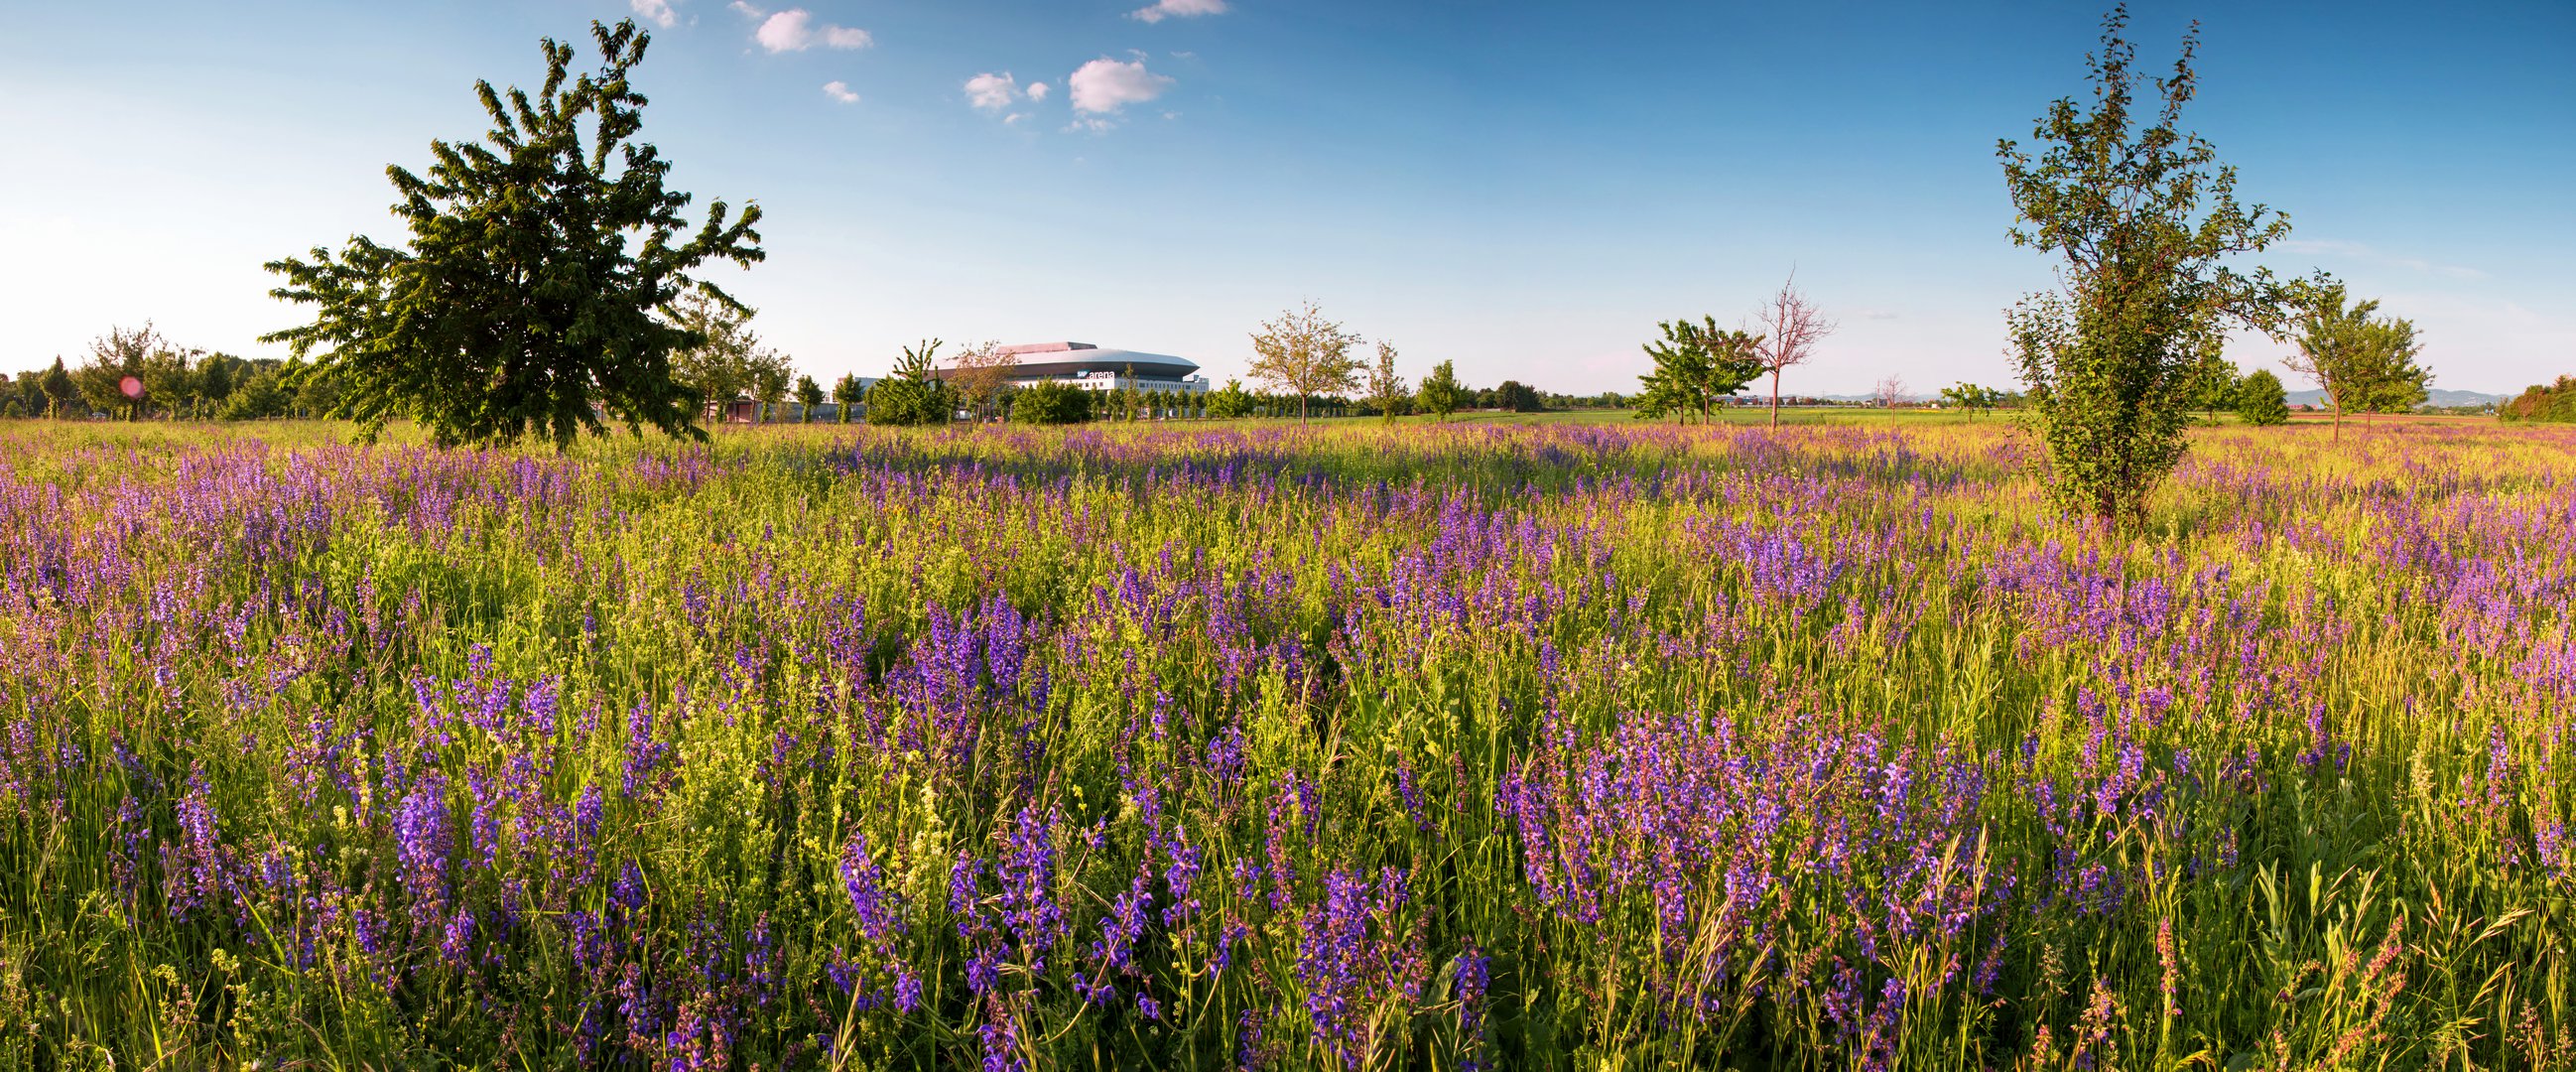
(138, 373)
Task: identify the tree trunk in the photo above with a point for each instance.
(1775, 399)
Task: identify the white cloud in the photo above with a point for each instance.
(1170, 9)
(992, 92)
(1014, 119)
(1037, 91)
(794, 30)
(840, 91)
(1105, 85)
(657, 12)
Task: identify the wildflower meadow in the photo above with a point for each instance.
(1480, 746)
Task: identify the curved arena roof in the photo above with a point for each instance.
(1072, 360)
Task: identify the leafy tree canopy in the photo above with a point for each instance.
(914, 394)
(1304, 354)
(1049, 402)
(2146, 221)
(2260, 401)
(1441, 393)
(543, 264)
(2543, 402)
(1695, 365)
(2365, 363)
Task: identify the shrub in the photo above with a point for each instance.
(1051, 403)
(2554, 402)
(2260, 401)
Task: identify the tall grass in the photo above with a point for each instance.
(1480, 746)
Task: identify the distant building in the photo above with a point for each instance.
(1091, 368)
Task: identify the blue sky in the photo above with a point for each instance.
(1524, 188)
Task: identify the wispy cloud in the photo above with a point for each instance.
(1103, 86)
(1037, 91)
(992, 92)
(794, 30)
(2370, 255)
(840, 91)
(1177, 9)
(657, 12)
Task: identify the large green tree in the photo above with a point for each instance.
(534, 296)
(2146, 221)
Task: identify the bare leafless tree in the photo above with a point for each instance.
(1890, 391)
(1790, 326)
(979, 374)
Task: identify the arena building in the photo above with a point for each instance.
(1092, 368)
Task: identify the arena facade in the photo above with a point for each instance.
(1095, 368)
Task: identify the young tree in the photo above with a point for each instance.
(215, 378)
(2260, 401)
(1791, 326)
(1440, 393)
(718, 366)
(914, 394)
(1970, 397)
(771, 377)
(1050, 402)
(1304, 353)
(537, 265)
(2146, 221)
(809, 397)
(2396, 383)
(2365, 363)
(979, 373)
(111, 381)
(169, 377)
(1131, 402)
(1889, 392)
(846, 393)
(261, 396)
(1229, 402)
(1695, 365)
(59, 389)
(2213, 386)
(1385, 388)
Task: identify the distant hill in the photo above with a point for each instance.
(2437, 397)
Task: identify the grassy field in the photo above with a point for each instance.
(1532, 742)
